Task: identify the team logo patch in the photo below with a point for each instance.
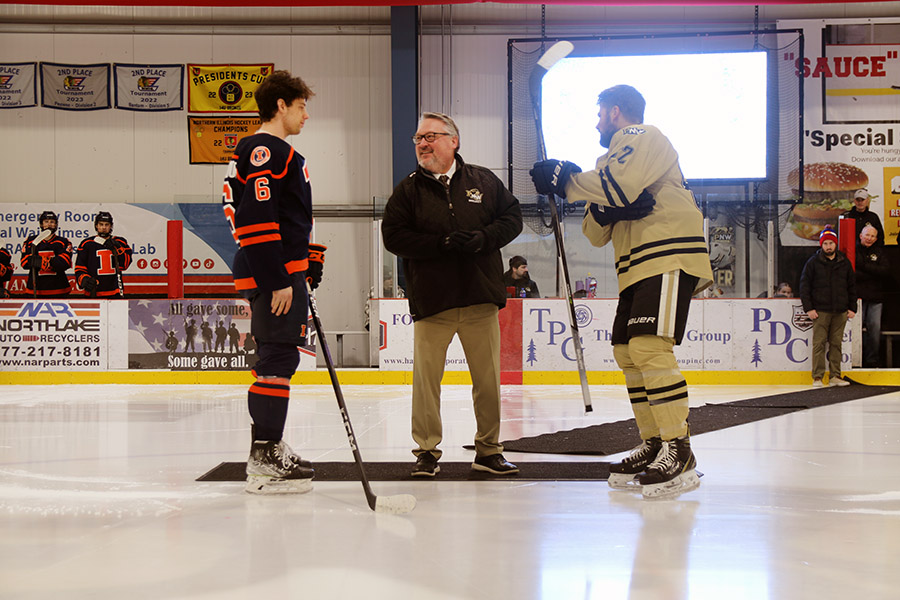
(231, 141)
(634, 130)
(230, 93)
(800, 319)
(474, 195)
(583, 315)
(260, 156)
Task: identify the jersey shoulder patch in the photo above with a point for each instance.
(260, 155)
(633, 130)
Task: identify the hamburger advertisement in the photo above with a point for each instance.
(828, 189)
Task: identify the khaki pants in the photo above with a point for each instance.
(828, 330)
(478, 328)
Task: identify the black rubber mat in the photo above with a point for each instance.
(450, 471)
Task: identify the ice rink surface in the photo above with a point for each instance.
(98, 499)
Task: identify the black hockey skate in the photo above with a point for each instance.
(673, 472)
(623, 475)
(273, 468)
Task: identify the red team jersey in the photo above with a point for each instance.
(268, 203)
(54, 258)
(96, 260)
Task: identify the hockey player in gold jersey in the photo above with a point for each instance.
(638, 200)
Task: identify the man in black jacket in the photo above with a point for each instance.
(828, 293)
(863, 215)
(872, 271)
(519, 280)
(448, 221)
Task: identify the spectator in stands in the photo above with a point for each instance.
(518, 282)
(828, 293)
(863, 216)
(872, 271)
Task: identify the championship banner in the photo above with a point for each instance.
(225, 88)
(153, 88)
(75, 87)
(212, 140)
(18, 85)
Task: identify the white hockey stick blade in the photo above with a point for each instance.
(555, 53)
(400, 504)
(43, 235)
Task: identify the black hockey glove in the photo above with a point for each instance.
(551, 176)
(467, 241)
(88, 283)
(109, 244)
(316, 265)
(4, 293)
(638, 209)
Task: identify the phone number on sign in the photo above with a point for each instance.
(48, 351)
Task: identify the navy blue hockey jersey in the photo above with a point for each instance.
(96, 260)
(267, 201)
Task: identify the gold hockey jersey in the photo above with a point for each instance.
(671, 237)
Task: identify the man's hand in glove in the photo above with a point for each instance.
(551, 176)
(468, 241)
(88, 283)
(638, 209)
(316, 265)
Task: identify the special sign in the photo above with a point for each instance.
(225, 88)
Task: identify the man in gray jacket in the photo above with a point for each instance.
(448, 221)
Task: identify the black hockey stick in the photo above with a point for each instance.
(399, 504)
(115, 262)
(554, 54)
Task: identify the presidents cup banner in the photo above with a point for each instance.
(213, 139)
(74, 87)
(18, 85)
(225, 88)
(153, 88)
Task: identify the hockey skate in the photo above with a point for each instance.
(623, 475)
(673, 472)
(273, 468)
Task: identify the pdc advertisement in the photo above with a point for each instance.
(851, 125)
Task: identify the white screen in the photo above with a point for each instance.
(712, 107)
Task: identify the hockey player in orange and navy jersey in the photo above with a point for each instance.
(47, 257)
(6, 270)
(101, 260)
(267, 202)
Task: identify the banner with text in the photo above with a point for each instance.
(213, 139)
(851, 120)
(154, 88)
(197, 335)
(225, 88)
(75, 87)
(18, 85)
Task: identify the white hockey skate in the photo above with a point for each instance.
(273, 468)
(623, 474)
(673, 472)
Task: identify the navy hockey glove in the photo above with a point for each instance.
(88, 283)
(316, 264)
(551, 176)
(638, 209)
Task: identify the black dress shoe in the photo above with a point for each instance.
(426, 466)
(496, 464)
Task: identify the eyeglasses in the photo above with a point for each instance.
(428, 137)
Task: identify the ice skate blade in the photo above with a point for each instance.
(400, 504)
(261, 484)
(669, 489)
(623, 481)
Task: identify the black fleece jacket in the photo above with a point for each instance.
(421, 213)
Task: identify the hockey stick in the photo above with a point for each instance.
(115, 262)
(43, 235)
(399, 504)
(554, 54)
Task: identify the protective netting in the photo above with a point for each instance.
(753, 203)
